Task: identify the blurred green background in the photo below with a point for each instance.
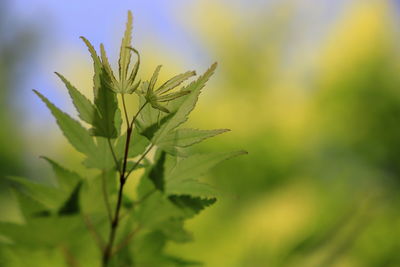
(311, 88)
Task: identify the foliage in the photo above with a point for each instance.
(127, 231)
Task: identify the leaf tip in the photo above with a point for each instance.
(129, 15)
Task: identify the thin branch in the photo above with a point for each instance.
(138, 162)
(105, 195)
(107, 252)
(97, 238)
(125, 110)
(137, 114)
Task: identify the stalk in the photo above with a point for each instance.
(108, 250)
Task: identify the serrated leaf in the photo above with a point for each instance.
(107, 68)
(85, 108)
(197, 165)
(75, 133)
(104, 98)
(188, 137)
(191, 187)
(156, 210)
(125, 52)
(191, 205)
(175, 81)
(97, 66)
(134, 73)
(154, 78)
(184, 105)
(107, 105)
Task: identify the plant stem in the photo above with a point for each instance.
(139, 160)
(125, 110)
(114, 225)
(137, 114)
(108, 250)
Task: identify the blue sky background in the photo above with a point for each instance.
(60, 23)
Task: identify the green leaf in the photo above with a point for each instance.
(137, 145)
(191, 187)
(103, 159)
(107, 105)
(96, 65)
(29, 206)
(176, 151)
(71, 206)
(150, 121)
(154, 78)
(155, 105)
(46, 232)
(108, 69)
(75, 133)
(156, 174)
(85, 108)
(134, 73)
(92, 200)
(184, 105)
(180, 179)
(175, 81)
(66, 180)
(197, 165)
(173, 229)
(46, 195)
(134, 87)
(156, 210)
(125, 52)
(191, 205)
(188, 137)
(172, 96)
(104, 98)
